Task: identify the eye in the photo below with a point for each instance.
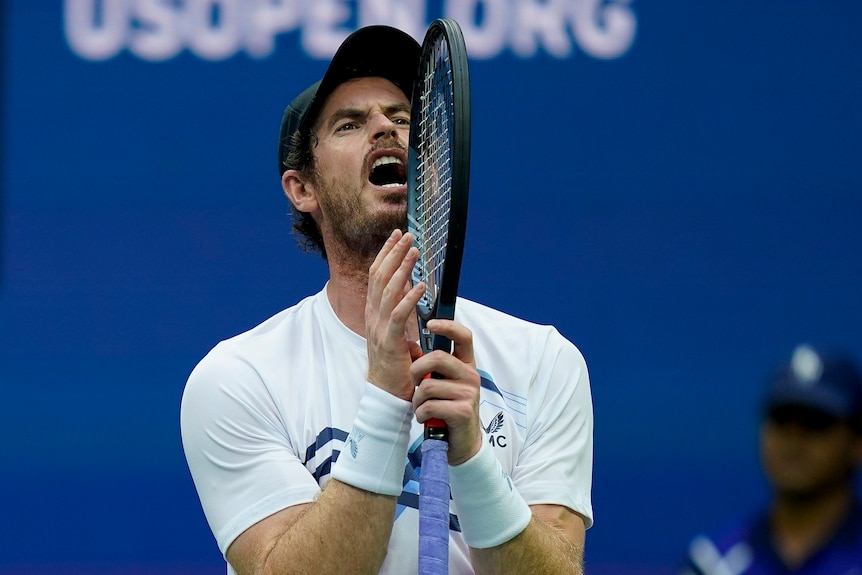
(401, 121)
(347, 126)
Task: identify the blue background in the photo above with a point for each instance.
(686, 214)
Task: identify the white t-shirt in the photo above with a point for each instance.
(265, 413)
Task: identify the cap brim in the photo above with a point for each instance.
(820, 399)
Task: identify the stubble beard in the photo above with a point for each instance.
(359, 231)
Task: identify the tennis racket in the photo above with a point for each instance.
(437, 188)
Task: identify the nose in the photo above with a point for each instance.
(382, 126)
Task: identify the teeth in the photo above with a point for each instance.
(384, 160)
(392, 185)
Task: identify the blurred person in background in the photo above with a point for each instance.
(810, 451)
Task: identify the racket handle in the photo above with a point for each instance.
(436, 429)
(434, 509)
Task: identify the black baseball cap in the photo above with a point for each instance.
(371, 51)
(830, 383)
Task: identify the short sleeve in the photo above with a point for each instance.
(556, 462)
(243, 464)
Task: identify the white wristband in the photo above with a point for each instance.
(375, 452)
(490, 509)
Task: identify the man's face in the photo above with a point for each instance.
(361, 164)
(806, 452)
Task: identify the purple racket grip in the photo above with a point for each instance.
(434, 509)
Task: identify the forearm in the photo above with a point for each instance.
(351, 520)
(537, 550)
(506, 535)
(344, 524)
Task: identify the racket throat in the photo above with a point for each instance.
(430, 341)
(426, 340)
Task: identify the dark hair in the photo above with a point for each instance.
(301, 158)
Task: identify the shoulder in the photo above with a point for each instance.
(487, 323)
(471, 310)
(286, 324)
(532, 361)
(245, 358)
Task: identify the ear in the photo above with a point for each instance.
(298, 191)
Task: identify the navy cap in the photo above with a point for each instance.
(371, 51)
(829, 383)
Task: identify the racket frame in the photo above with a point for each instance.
(439, 300)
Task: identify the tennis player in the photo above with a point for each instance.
(302, 435)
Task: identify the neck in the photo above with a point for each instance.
(800, 525)
(347, 290)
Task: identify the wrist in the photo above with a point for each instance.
(375, 451)
(490, 509)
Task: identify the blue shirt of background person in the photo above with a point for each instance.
(811, 451)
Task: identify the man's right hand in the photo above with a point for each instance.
(389, 307)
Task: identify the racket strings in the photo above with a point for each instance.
(435, 169)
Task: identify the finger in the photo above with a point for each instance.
(403, 312)
(461, 337)
(398, 286)
(414, 349)
(432, 389)
(445, 366)
(398, 300)
(391, 243)
(394, 255)
(387, 247)
(442, 399)
(422, 366)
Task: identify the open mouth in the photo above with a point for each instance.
(388, 172)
